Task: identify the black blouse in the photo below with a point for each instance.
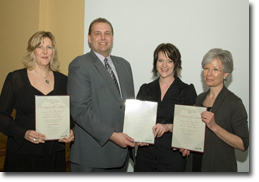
(19, 94)
(178, 93)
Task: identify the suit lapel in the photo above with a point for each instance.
(106, 76)
(120, 73)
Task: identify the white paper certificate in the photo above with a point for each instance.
(188, 128)
(53, 116)
(140, 117)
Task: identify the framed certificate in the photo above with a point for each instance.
(139, 118)
(52, 116)
(188, 128)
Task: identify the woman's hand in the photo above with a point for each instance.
(34, 137)
(69, 139)
(209, 119)
(159, 129)
(142, 144)
(184, 152)
(229, 138)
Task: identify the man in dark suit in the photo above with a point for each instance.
(97, 104)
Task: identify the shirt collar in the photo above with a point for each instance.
(101, 57)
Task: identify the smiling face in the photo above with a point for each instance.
(101, 38)
(165, 66)
(43, 53)
(213, 73)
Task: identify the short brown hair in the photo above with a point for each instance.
(99, 20)
(172, 52)
(33, 43)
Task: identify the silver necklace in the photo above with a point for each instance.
(46, 78)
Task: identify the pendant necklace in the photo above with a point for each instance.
(46, 78)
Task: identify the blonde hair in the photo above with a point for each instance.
(29, 60)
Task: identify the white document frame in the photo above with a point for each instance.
(139, 118)
(52, 116)
(188, 128)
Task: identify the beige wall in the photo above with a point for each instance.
(65, 19)
(19, 20)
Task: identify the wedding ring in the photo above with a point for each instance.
(34, 140)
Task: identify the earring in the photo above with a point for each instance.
(225, 80)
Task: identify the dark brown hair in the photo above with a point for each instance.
(172, 52)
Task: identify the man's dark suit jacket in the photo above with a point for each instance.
(98, 110)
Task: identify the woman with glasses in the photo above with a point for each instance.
(225, 118)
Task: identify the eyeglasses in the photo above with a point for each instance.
(214, 71)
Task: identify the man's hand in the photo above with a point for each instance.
(122, 139)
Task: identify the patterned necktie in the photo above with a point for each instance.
(107, 66)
